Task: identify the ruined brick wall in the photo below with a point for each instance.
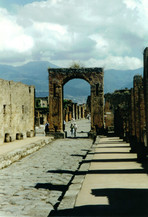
(139, 108)
(145, 77)
(132, 122)
(108, 115)
(57, 79)
(119, 102)
(16, 110)
(137, 118)
(41, 116)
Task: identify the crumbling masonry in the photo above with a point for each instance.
(131, 114)
(145, 76)
(57, 79)
(16, 111)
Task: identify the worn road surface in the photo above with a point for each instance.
(34, 185)
(73, 177)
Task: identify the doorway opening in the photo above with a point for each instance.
(76, 108)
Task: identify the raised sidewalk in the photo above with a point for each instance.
(115, 184)
(13, 151)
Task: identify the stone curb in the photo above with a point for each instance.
(12, 156)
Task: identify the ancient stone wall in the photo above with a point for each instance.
(145, 77)
(132, 123)
(41, 110)
(108, 115)
(119, 103)
(16, 111)
(137, 117)
(57, 78)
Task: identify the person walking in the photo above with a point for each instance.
(64, 123)
(72, 129)
(75, 129)
(46, 128)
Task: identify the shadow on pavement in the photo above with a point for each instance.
(111, 142)
(110, 171)
(123, 146)
(51, 186)
(77, 155)
(121, 203)
(109, 160)
(77, 137)
(93, 153)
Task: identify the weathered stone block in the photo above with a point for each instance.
(57, 78)
(16, 110)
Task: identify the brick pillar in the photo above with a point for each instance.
(142, 113)
(69, 116)
(73, 110)
(56, 109)
(83, 111)
(80, 112)
(146, 90)
(137, 83)
(97, 108)
(76, 107)
(139, 116)
(132, 123)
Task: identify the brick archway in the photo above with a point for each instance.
(57, 78)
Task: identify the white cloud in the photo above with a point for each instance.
(110, 62)
(132, 4)
(111, 33)
(116, 62)
(12, 35)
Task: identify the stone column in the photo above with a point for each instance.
(132, 124)
(97, 108)
(76, 109)
(55, 108)
(73, 111)
(142, 113)
(139, 117)
(80, 112)
(69, 116)
(137, 83)
(146, 89)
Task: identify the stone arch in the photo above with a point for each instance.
(60, 76)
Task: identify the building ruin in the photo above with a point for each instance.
(58, 77)
(129, 116)
(16, 111)
(145, 78)
(41, 110)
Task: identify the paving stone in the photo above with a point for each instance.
(33, 185)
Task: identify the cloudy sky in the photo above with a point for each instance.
(96, 33)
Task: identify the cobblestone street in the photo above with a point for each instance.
(32, 186)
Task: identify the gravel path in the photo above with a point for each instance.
(34, 185)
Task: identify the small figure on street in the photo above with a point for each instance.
(46, 128)
(72, 129)
(75, 129)
(94, 138)
(64, 125)
(88, 116)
